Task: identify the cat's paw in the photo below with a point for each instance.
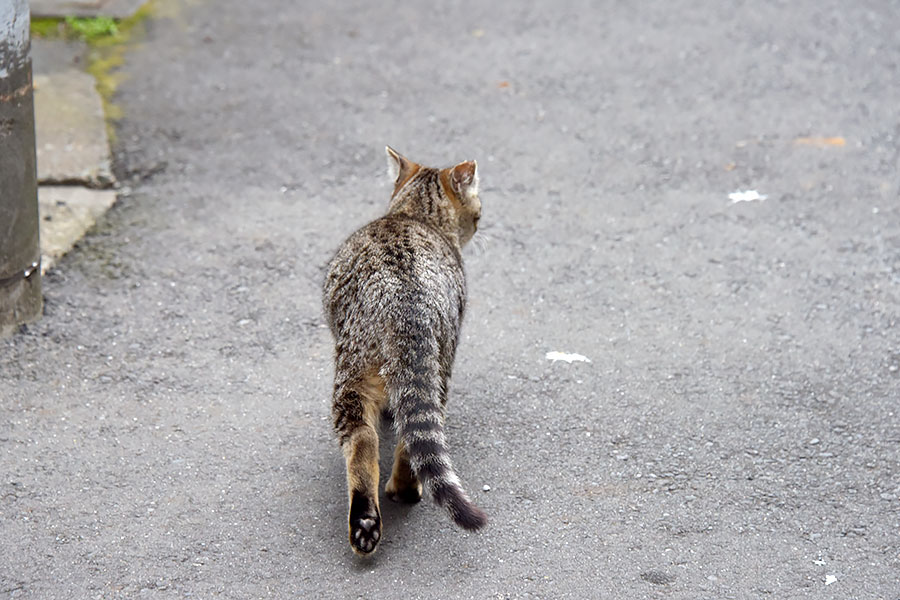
(365, 526)
(364, 535)
(407, 493)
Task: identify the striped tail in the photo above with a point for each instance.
(415, 400)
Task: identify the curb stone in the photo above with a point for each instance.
(70, 129)
(73, 155)
(67, 212)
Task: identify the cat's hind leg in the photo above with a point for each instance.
(403, 485)
(357, 409)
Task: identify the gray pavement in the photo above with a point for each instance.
(119, 9)
(164, 430)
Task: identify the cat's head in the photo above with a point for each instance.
(458, 185)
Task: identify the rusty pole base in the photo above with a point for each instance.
(20, 273)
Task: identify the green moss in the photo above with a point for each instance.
(106, 54)
(126, 29)
(107, 40)
(89, 29)
(47, 27)
(103, 67)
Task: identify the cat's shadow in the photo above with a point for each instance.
(394, 523)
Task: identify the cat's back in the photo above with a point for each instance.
(393, 262)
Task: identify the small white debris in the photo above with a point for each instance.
(746, 196)
(829, 579)
(569, 358)
(485, 488)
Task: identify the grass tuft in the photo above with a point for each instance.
(93, 28)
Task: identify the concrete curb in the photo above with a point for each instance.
(73, 154)
(72, 145)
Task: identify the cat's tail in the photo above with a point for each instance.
(415, 391)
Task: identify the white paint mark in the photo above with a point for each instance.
(746, 196)
(569, 358)
(829, 579)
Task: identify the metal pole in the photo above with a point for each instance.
(20, 253)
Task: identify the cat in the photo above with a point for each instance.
(394, 297)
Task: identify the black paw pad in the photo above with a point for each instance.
(364, 535)
(365, 525)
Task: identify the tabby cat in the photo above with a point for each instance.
(394, 298)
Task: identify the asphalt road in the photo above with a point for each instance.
(165, 432)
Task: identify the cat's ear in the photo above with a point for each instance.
(464, 179)
(398, 166)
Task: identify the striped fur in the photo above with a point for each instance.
(416, 390)
(394, 298)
